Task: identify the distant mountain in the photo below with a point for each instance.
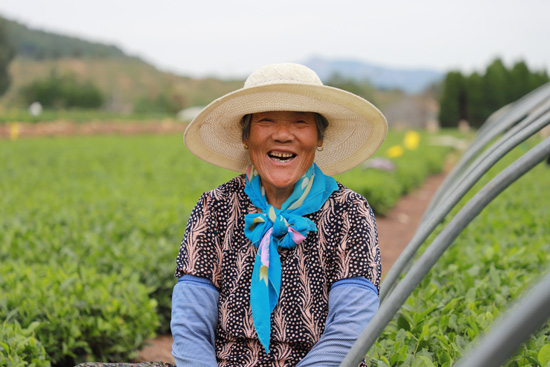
(408, 80)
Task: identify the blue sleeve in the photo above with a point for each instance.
(194, 321)
(352, 303)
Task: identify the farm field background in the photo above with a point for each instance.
(90, 225)
(90, 229)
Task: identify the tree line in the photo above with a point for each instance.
(7, 53)
(63, 91)
(474, 97)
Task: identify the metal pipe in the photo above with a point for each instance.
(495, 116)
(531, 119)
(424, 264)
(504, 145)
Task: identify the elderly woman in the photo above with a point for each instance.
(279, 266)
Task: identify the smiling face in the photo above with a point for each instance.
(282, 147)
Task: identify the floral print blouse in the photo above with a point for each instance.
(214, 247)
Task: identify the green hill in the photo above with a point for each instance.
(124, 80)
(39, 45)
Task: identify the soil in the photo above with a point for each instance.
(65, 128)
(394, 230)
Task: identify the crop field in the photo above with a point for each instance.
(90, 228)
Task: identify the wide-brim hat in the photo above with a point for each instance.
(356, 128)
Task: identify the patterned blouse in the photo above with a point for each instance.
(214, 247)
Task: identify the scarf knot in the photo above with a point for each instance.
(280, 226)
(272, 228)
(287, 230)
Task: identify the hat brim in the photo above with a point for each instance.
(356, 128)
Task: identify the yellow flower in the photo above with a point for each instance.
(395, 151)
(14, 131)
(411, 140)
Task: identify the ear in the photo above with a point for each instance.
(320, 143)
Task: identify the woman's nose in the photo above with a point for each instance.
(282, 132)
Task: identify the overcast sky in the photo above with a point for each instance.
(234, 37)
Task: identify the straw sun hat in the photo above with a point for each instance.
(355, 131)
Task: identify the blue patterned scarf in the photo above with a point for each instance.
(283, 227)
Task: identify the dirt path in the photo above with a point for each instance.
(394, 233)
(398, 227)
(65, 128)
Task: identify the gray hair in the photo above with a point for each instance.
(320, 121)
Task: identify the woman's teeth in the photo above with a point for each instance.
(281, 157)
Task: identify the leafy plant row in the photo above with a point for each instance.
(76, 311)
(89, 235)
(497, 257)
(19, 346)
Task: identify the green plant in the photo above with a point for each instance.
(166, 103)
(76, 311)
(19, 346)
(7, 52)
(473, 98)
(63, 91)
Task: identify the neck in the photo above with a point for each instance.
(276, 196)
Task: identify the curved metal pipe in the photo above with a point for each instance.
(540, 92)
(504, 145)
(531, 119)
(424, 264)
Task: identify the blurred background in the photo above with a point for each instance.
(424, 64)
(90, 224)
